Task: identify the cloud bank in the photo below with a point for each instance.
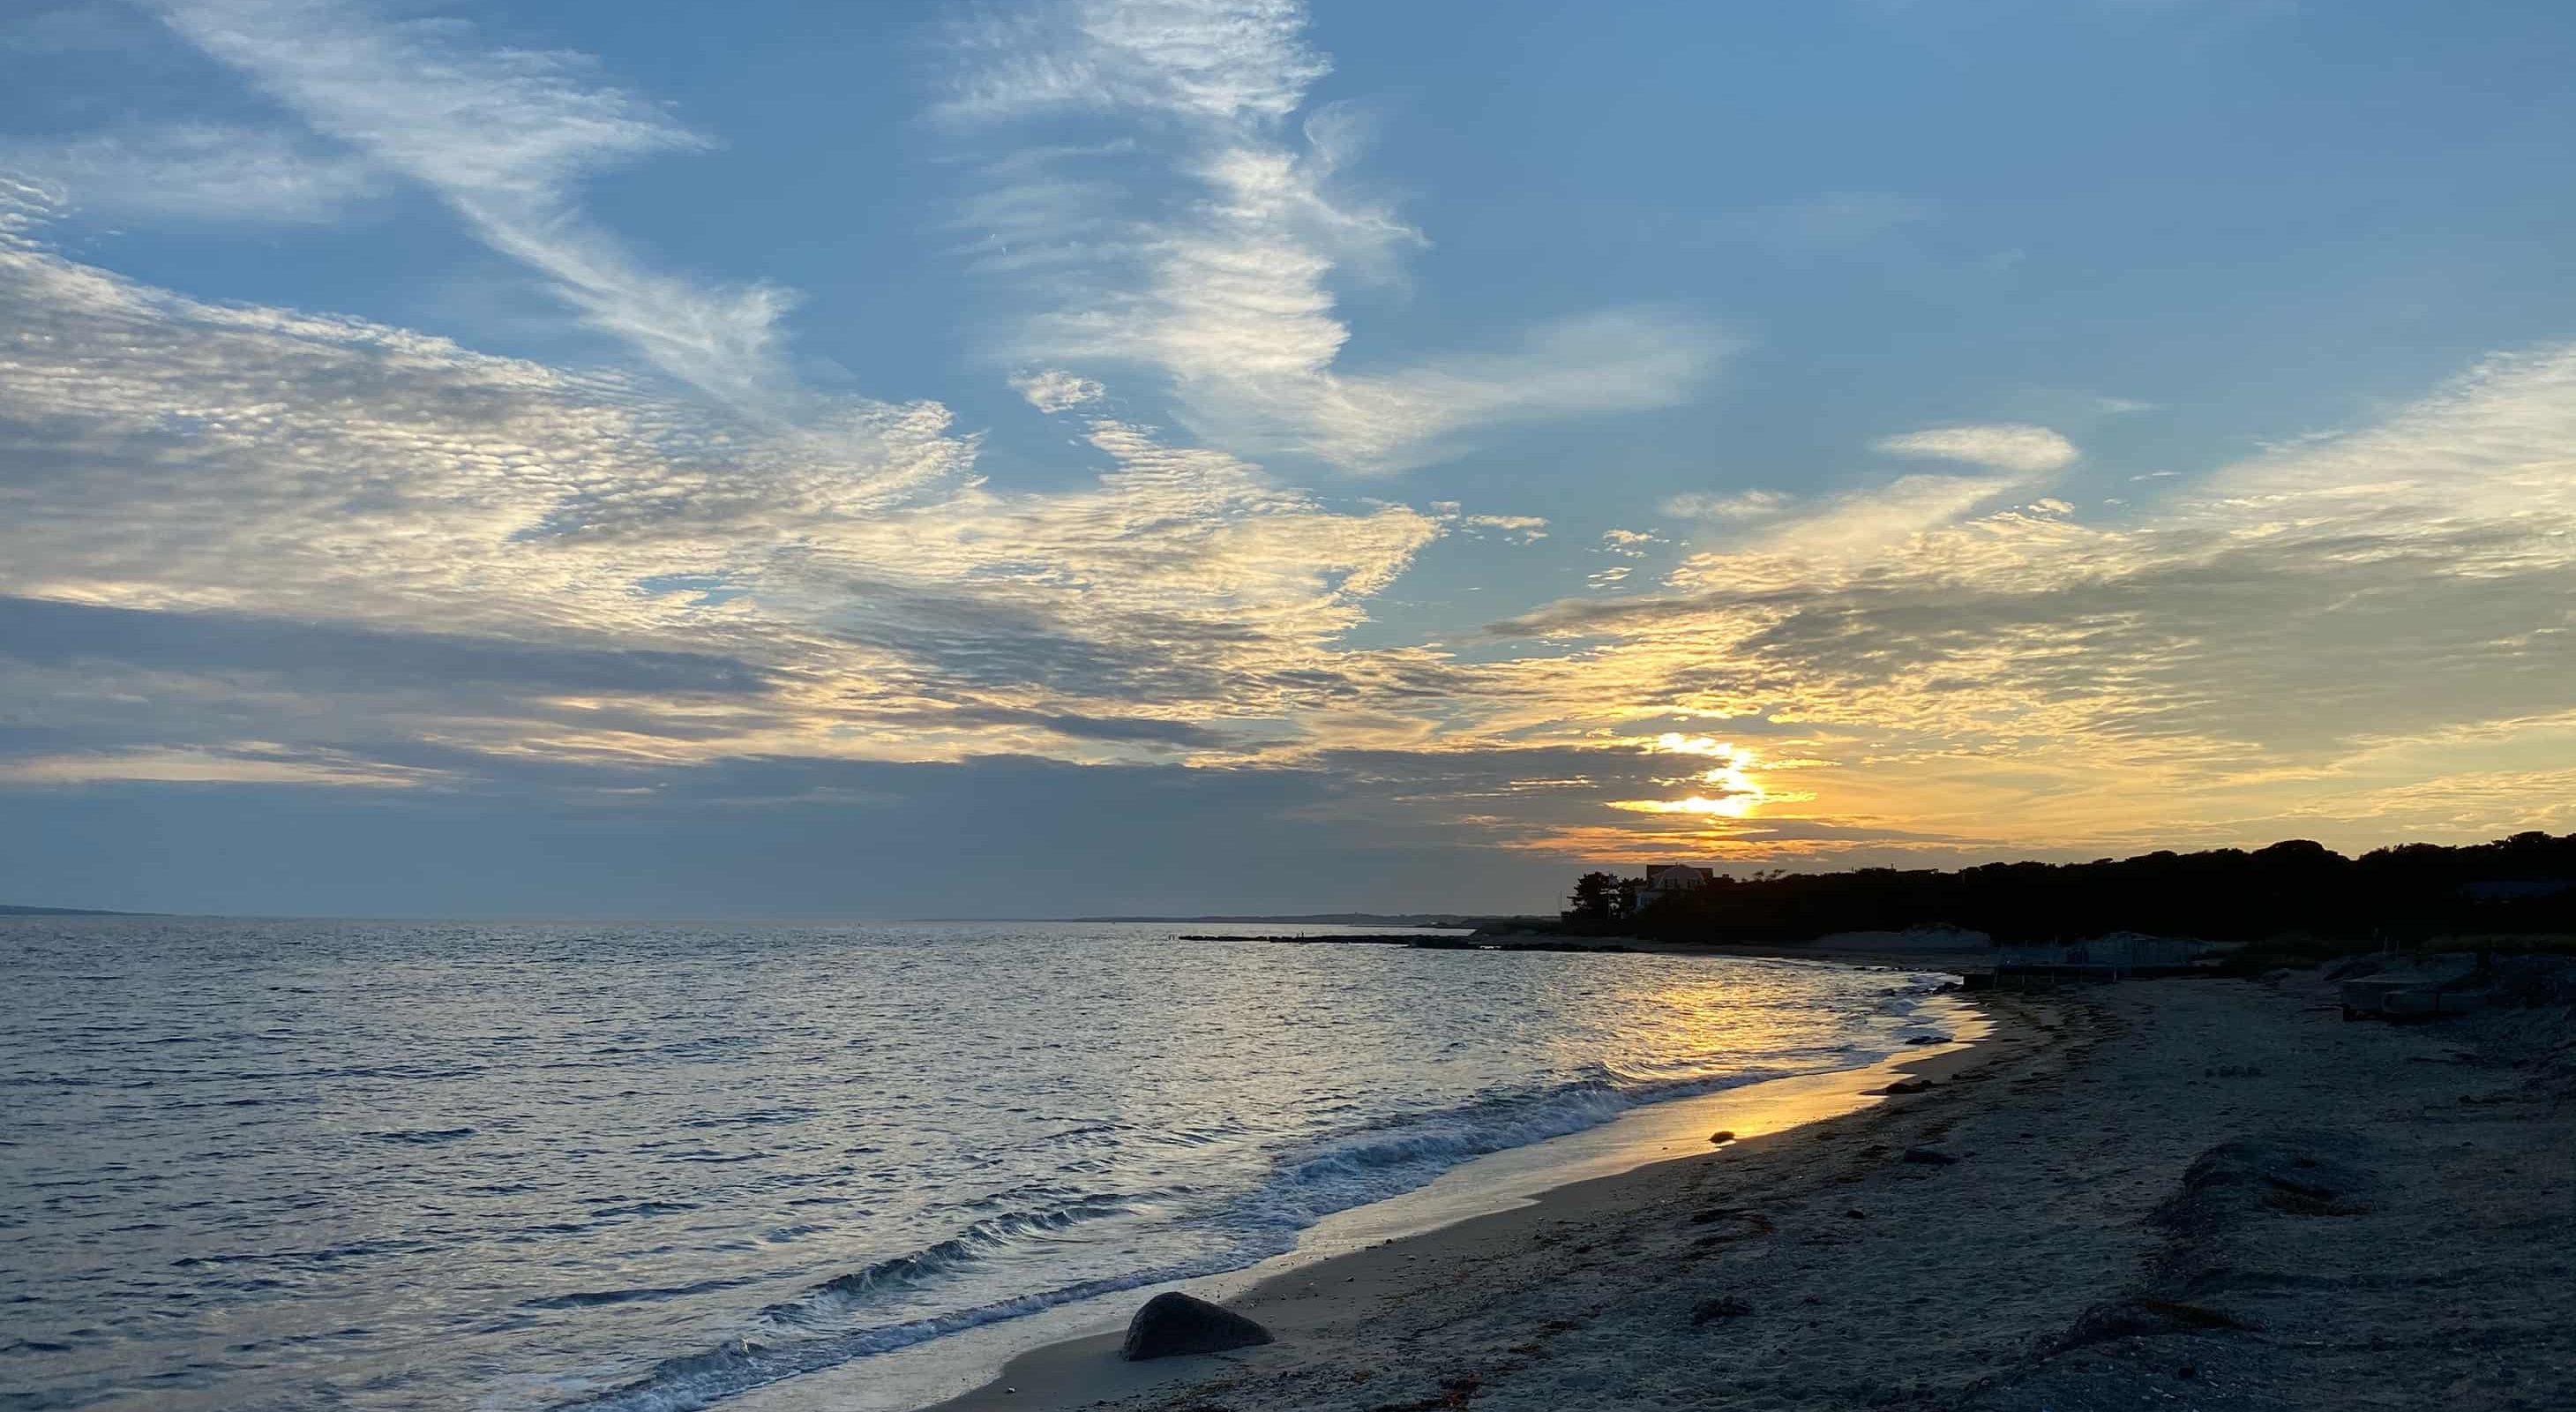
(248, 544)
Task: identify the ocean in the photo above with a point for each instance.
(524, 1167)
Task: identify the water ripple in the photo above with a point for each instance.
(310, 1165)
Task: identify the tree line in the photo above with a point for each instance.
(2409, 892)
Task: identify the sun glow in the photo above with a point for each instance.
(1734, 794)
(1676, 743)
(1730, 807)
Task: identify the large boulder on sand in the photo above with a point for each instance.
(1173, 1324)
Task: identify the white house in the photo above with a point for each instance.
(1665, 879)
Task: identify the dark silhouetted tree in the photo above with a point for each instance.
(1594, 897)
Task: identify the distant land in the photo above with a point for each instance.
(2521, 886)
(1328, 919)
(9, 911)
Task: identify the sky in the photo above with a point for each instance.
(659, 460)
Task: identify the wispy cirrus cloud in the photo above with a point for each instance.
(1221, 61)
(505, 137)
(1226, 289)
(200, 173)
(1861, 528)
(1727, 506)
(2005, 446)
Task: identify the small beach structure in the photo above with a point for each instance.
(2118, 956)
(2440, 985)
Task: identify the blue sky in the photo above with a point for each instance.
(639, 458)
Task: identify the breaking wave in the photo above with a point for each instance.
(826, 1326)
(678, 1162)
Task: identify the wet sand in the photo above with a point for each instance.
(2178, 1193)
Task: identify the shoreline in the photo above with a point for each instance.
(2177, 1192)
(1950, 951)
(1364, 1248)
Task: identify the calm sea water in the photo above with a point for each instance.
(409, 1165)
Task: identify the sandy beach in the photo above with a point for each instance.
(2196, 1193)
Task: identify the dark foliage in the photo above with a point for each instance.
(2406, 893)
(1595, 897)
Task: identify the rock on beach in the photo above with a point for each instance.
(1173, 1324)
